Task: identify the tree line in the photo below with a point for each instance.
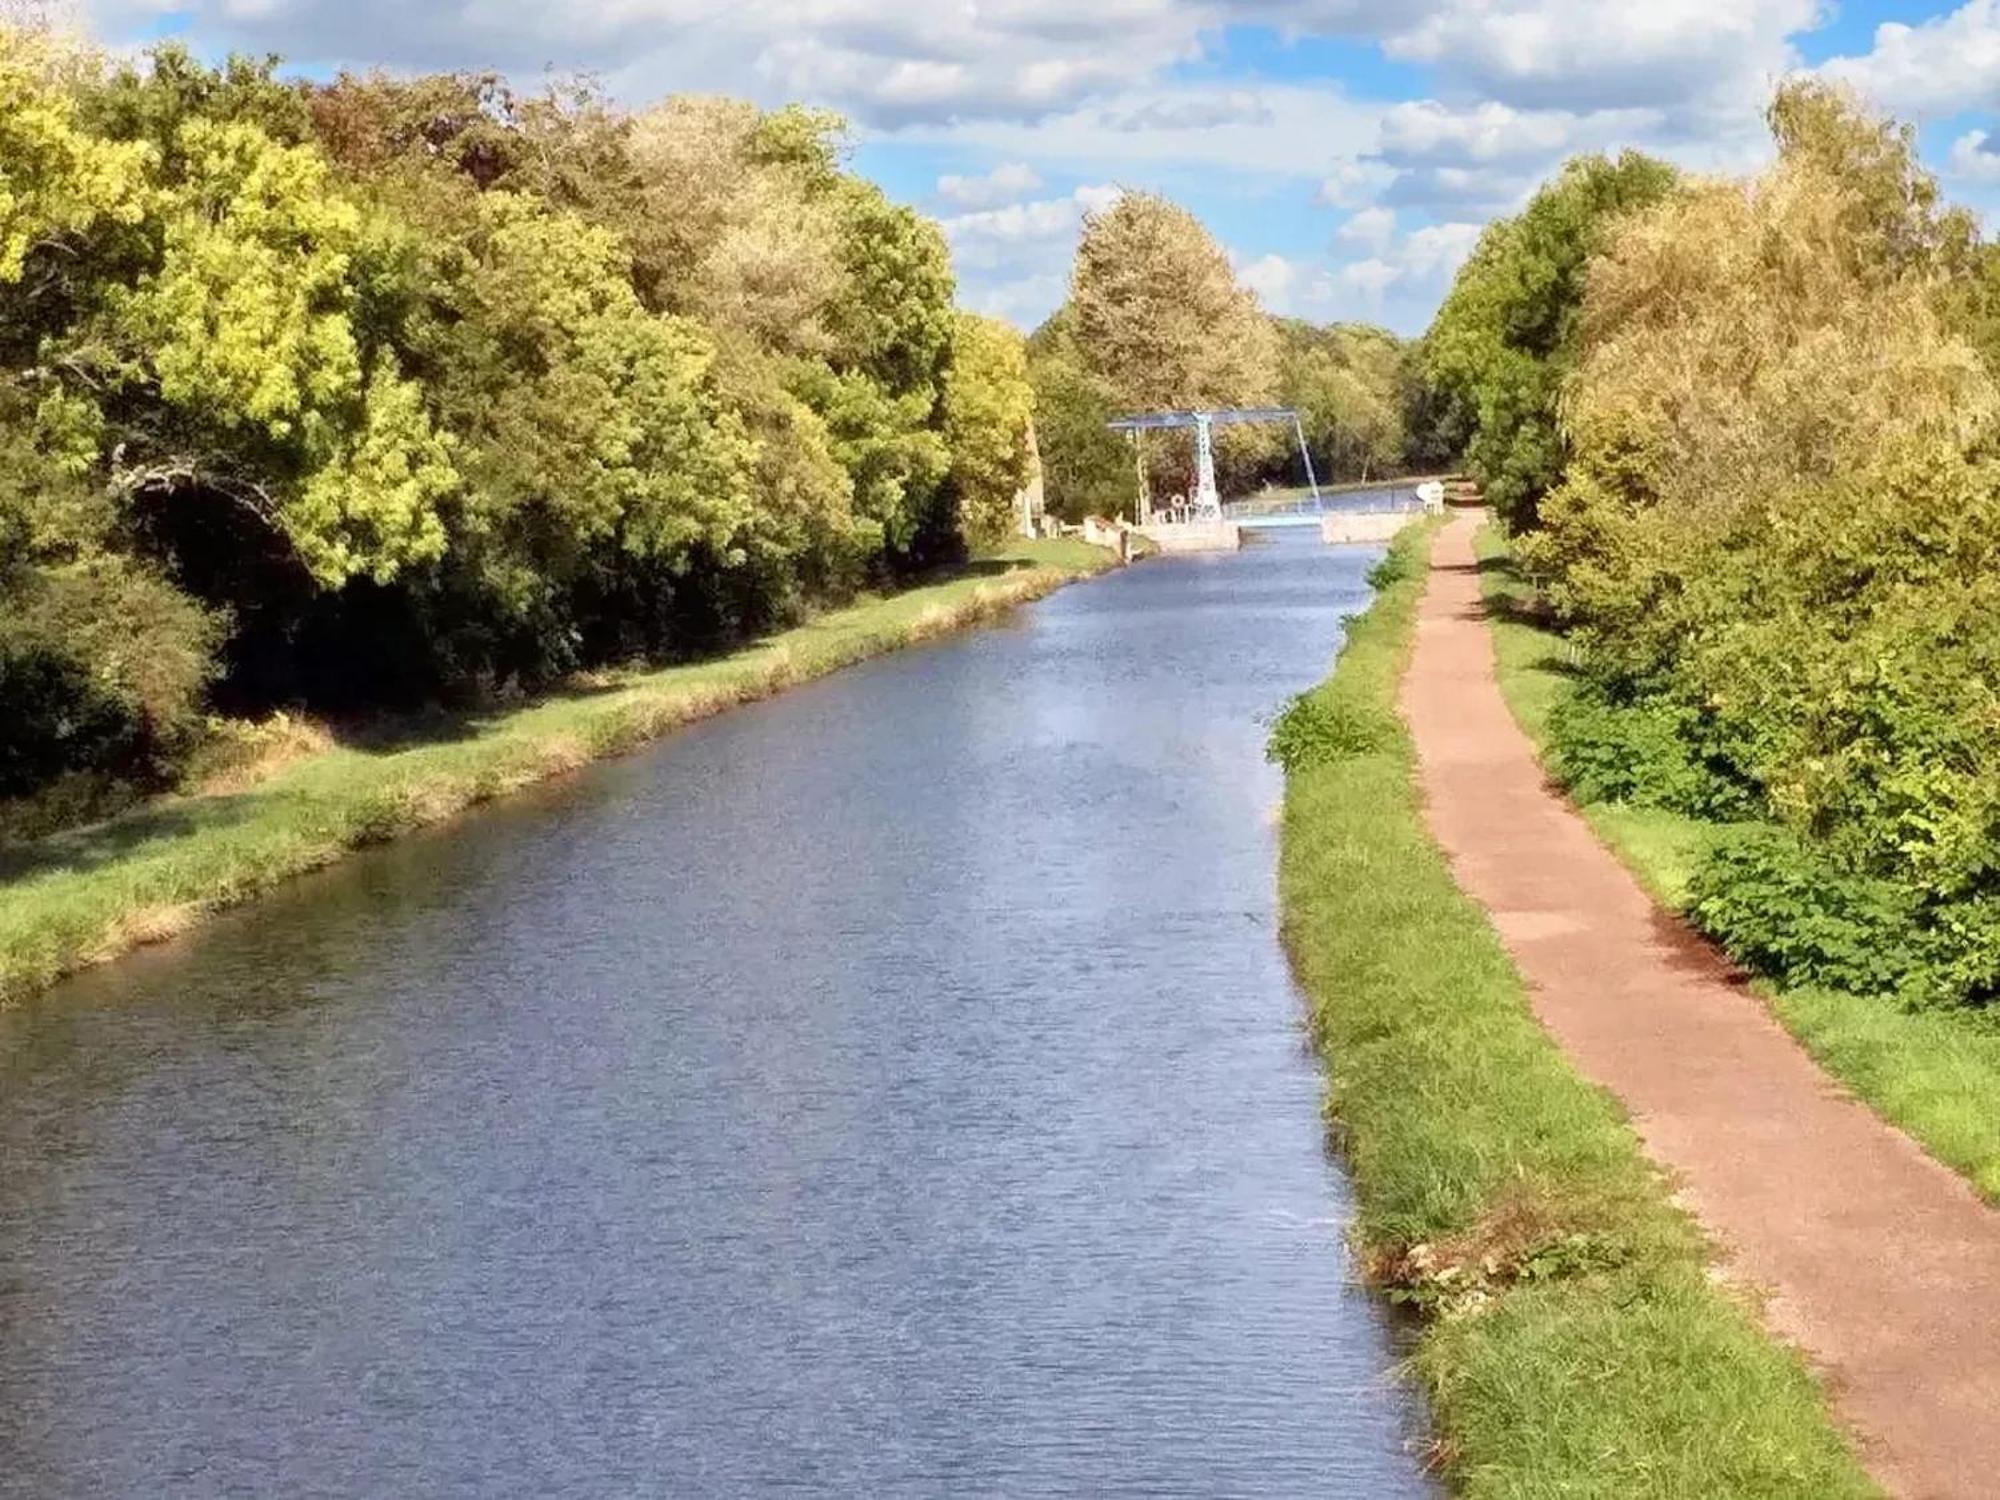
(386, 392)
(1747, 436)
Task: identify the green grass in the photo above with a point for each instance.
(81, 897)
(1936, 1075)
(1573, 1342)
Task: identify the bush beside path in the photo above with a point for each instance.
(1880, 1262)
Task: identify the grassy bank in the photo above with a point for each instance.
(1574, 1343)
(82, 897)
(1935, 1074)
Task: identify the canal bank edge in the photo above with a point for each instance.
(87, 896)
(1573, 1339)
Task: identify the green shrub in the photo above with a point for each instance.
(58, 719)
(1643, 753)
(1783, 910)
(1396, 565)
(1315, 728)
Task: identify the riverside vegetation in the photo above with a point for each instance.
(373, 395)
(1749, 468)
(343, 422)
(1573, 1340)
(363, 397)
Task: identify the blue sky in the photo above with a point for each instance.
(1345, 151)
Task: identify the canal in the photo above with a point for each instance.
(892, 1089)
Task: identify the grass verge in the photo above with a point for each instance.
(82, 897)
(1574, 1342)
(1933, 1074)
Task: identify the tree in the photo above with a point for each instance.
(57, 180)
(239, 366)
(988, 407)
(738, 223)
(1086, 468)
(1159, 320)
(418, 388)
(1346, 381)
(1505, 338)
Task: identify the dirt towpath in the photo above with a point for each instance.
(1881, 1264)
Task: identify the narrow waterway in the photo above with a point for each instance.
(893, 1089)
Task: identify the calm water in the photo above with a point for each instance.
(893, 1089)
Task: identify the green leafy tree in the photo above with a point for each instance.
(1505, 338)
(1777, 537)
(58, 181)
(1347, 383)
(1086, 468)
(989, 406)
(239, 362)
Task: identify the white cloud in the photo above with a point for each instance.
(1287, 287)
(1013, 261)
(1424, 132)
(1436, 251)
(1196, 109)
(987, 236)
(1939, 67)
(1373, 228)
(1597, 54)
(1007, 183)
(1370, 278)
(1022, 300)
(1346, 184)
(1296, 130)
(1975, 157)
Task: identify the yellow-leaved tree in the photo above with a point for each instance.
(988, 408)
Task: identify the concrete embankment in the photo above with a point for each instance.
(1193, 536)
(1343, 527)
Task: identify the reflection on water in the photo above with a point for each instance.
(891, 1089)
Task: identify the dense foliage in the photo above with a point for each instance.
(1777, 544)
(389, 391)
(1501, 346)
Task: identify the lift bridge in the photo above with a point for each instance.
(1207, 502)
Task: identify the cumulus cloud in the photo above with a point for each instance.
(1194, 110)
(985, 233)
(1938, 67)
(1435, 252)
(1345, 184)
(1595, 54)
(1370, 278)
(1462, 190)
(1007, 183)
(1373, 228)
(1425, 132)
(1288, 287)
(1013, 261)
(1975, 157)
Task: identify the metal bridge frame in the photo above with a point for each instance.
(1207, 501)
